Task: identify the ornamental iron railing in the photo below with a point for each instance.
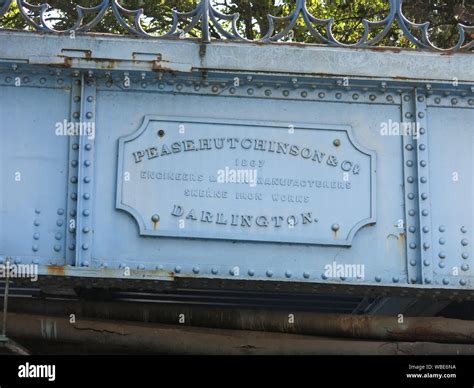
(213, 23)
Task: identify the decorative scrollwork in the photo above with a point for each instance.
(210, 22)
(26, 9)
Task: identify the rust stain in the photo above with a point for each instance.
(158, 67)
(56, 270)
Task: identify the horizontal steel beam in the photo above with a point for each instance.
(383, 328)
(123, 53)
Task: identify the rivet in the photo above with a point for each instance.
(249, 78)
(408, 115)
(76, 115)
(442, 241)
(412, 229)
(409, 147)
(463, 229)
(423, 179)
(214, 271)
(42, 80)
(355, 96)
(378, 279)
(427, 280)
(197, 87)
(304, 94)
(86, 213)
(159, 267)
(421, 115)
(85, 229)
(74, 179)
(321, 95)
(406, 97)
(336, 142)
(141, 266)
(72, 213)
(86, 196)
(464, 242)
(454, 101)
(426, 229)
(306, 275)
(90, 98)
(442, 264)
(87, 163)
(471, 101)
(269, 273)
(424, 196)
(462, 282)
(89, 115)
(88, 147)
(442, 229)
(71, 247)
(85, 263)
(410, 179)
(57, 248)
(250, 91)
(423, 163)
(288, 274)
(251, 272)
(409, 163)
(74, 196)
(75, 146)
(35, 248)
(412, 212)
(426, 246)
(465, 267)
(422, 147)
(268, 92)
(437, 100)
(232, 90)
(324, 277)
(196, 270)
(87, 179)
(395, 279)
(36, 236)
(155, 218)
(421, 98)
(445, 281)
(338, 96)
(372, 97)
(180, 87)
(412, 245)
(414, 280)
(465, 255)
(412, 262)
(177, 269)
(424, 213)
(411, 196)
(335, 227)
(36, 223)
(58, 236)
(389, 98)
(286, 93)
(426, 263)
(422, 131)
(85, 247)
(442, 255)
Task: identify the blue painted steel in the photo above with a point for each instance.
(207, 14)
(61, 201)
